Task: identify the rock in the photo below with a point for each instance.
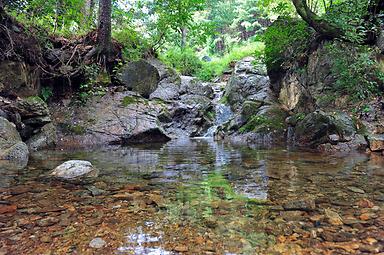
(193, 86)
(376, 142)
(17, 153)
(149, 133)
(319, 127)
(19, 78)
(140, 76)
(300, 205)
(365, 203)
(356, 190)
(240, 87)
(333, 217)
(117, 118)
(11, 147)
(95, 191)
(169, 85)
(48, 221)
(46, 138)
(247, 65)
(249, 109)
(46, 239)
(181, 248)
(32, 107)
(75, 169)
(97, 243)
(166, 91)
(294, 96)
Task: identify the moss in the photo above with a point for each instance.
(129, 100)
(224, 99)
(34, 99)
(274, 120)
(74, 129)
(211, 115)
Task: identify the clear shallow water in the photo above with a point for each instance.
(195, 197)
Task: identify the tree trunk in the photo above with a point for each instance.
(321, 26)
(183, 37)
(104, 30)
(88, 11)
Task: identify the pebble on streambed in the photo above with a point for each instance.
(97, 243)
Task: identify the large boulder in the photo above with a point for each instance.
(11, 147)
(75, 169)
(116, 118)
(45, 138)
(193, 86)
(33, 107)
(319, 128)
(141, 77)
(169, 83)
(248, 83)
(19, 78)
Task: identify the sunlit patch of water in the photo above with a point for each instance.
(140, 243)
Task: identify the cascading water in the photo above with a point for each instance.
(222, 112)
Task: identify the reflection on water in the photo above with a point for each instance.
(138, 241)
(225, 193)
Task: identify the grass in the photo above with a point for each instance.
(218, 65)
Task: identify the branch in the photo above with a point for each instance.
(320, 25)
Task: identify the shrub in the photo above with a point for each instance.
(217, 66)
(185, 61)
(284, 40)
(357, 73)
(134, 45)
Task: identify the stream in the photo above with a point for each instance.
(196, 196)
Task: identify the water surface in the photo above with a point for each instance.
(196, 197)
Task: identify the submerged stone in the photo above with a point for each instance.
(97, 243)
(75, 169)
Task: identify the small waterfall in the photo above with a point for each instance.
(222, 112)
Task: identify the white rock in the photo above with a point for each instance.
(97, 243)
(75, 169)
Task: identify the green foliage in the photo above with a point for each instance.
(60, 17)
(356, 71)
(95, 85)
(350, 17)
(184, 61)
(134, 45)
(46, 93)
(286, 34)
(219, 65)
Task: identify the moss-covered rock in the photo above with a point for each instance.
(320, 127)
(269, 119)
(250, 109)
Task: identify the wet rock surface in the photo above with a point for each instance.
(178, 107)
(189, 197)
(75, 169)
(12, 148)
